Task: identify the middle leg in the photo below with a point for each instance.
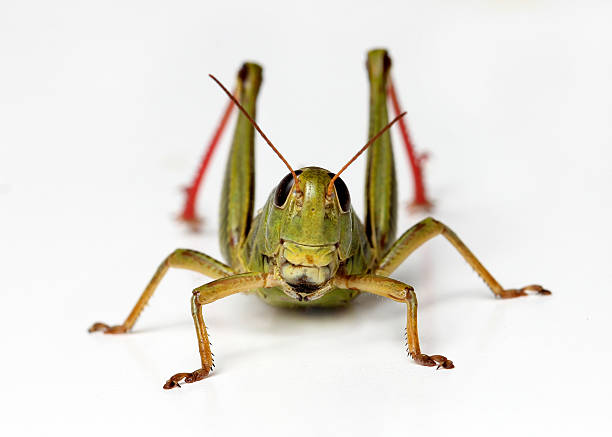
(180, 258)
(428, 228)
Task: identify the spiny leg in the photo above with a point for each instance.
(204, 295)
(206, 356)
(237, 195)
(429, 228)
(180, 258)
(399, 292)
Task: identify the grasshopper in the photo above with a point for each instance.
(307, 247)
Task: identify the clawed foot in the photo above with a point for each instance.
(117, 329)
(538, 289)
(432, 360)
(194, 376)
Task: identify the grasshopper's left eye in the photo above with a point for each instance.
(344, 198)
(283, 189)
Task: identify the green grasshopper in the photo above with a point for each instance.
(307, 247)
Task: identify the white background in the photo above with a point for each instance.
(105, 108)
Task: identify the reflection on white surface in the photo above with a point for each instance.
(105, 111)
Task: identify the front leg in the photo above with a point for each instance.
(209, 293)
(399, 292)
(428, 228)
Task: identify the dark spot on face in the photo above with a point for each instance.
(305, 287)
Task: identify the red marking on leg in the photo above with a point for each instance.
(189, 210)
(416, 160)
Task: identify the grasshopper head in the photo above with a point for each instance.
(310, 230)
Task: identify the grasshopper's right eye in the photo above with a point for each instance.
(344, 198)
(283, 189)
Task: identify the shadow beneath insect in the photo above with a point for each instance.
(267, 318)
(295, 320)
(465, 295)
(162, 326)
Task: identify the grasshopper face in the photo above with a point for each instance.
(314, 232)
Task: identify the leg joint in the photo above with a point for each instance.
(195, 302)
(200, 298)
(410, 296)
(434, 223)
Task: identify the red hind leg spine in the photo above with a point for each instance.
(416, 160)
(189, 210)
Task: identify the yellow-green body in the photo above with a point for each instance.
(307, 246)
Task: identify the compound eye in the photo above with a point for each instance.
(283, 189)
(344, 198)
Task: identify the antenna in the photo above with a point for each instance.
(246, 114)
(330, 187)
